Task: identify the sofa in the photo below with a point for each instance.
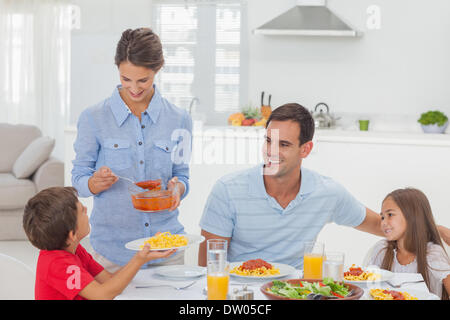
(26, 167)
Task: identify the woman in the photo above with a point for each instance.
(135, 133)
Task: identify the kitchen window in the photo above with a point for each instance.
(205, 50)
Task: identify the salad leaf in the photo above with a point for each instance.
(325, 291)
(326, 288)
(278, 284)
(336, 287)
(290, 292)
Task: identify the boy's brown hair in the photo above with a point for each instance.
(49, 217)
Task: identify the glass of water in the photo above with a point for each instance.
(333, 265)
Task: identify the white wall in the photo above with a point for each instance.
(94, 74)
(402, 68)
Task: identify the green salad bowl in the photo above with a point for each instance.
(356, 292)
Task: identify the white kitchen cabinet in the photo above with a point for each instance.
(368, 164)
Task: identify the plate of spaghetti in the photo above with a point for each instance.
(387, 294)
(357, 275)
(166, 241)
(390, 294)
(260, 269)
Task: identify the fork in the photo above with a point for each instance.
(167, 285)
(402, 283)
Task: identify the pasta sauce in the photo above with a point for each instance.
(255, 264)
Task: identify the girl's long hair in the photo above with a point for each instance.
(420, 230)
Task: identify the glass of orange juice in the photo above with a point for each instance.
(218, 271)
(313, 260)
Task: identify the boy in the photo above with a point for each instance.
(55, 222)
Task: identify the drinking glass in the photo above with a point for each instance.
(217, 268)
(313, 260)
(333, 265)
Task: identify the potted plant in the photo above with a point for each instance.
(433, 122)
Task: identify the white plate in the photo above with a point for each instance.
(192, 240)
(285, 270)
(180, 271)
(385, 275)
(419, 294)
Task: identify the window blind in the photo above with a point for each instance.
(202, 44)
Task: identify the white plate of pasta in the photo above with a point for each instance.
(260, 269)
(397, 294)
(371, 274)
(166, 241)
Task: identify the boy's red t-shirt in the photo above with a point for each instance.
(61, 275)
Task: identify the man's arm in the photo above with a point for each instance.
(202, 247)
(371, 224)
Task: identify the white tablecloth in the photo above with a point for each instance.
(196, 292)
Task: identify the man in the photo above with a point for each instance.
(268, 211)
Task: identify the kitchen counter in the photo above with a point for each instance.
(374, 137)
(333, 135)
(325, 135)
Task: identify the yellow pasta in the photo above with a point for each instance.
(260, 268)
(360, 275)
(166, 240)
(382, 294)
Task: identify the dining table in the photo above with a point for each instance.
(148, 284)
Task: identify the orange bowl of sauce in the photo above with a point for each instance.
(151, 200)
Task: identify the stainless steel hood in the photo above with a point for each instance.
(308, 18)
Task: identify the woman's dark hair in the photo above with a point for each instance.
(141, 47)
(420, 230)
(49, 217)
(297, 113)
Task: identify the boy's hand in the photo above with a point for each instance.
(146, 255)
(102, 180)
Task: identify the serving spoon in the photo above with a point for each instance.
(124, 178)
(133, 182)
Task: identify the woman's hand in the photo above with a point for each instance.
(178, 189)
(102, 180)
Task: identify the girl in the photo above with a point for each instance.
(412, 241)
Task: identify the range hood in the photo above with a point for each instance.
(308, 18)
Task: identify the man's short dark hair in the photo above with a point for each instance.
(49, 217)
(297, 113)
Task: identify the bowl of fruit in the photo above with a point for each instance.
(249, 116)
